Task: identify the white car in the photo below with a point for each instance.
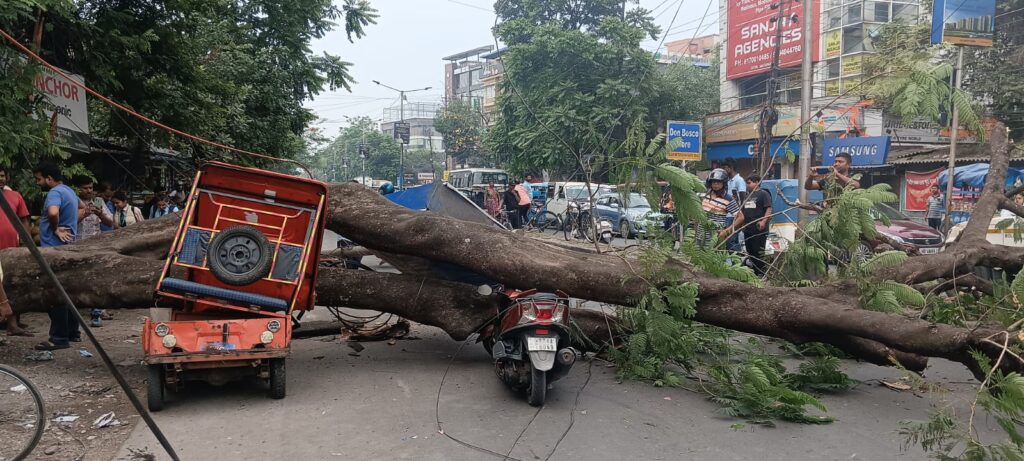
(1002, 230)
(566, 191)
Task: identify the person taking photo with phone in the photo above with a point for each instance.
(831, 181)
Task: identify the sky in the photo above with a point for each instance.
(405, 47)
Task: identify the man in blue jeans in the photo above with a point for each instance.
(737, 188)
(58, 226)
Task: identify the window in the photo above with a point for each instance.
(833, 69)
(834, 19)
(872, 32)
(876, 11)
(905, 13)
(852, 14)
(853, 39)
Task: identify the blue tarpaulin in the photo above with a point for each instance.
(974, 176)
(415, 198)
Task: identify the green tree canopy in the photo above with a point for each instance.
(382, 159)
(462, 129)
(233, 71)
(577, 83)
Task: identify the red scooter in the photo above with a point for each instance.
(530, 342)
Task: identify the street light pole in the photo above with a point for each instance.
(953, 135)
(401, 116)
(806, 94)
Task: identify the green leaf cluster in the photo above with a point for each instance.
(757, 390)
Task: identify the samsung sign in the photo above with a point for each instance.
(868, 151)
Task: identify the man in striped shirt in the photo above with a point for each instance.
(718, 204)
(936, 208)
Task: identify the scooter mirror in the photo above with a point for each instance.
(485, 290)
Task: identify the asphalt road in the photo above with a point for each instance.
(381, 403)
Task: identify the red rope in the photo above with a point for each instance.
(139, 116)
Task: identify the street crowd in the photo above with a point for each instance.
(70, 214)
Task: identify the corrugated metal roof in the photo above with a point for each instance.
(965, 153)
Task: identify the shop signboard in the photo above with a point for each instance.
(833, 44)
(753, 30)
(67, 102)
(923, 131)
(865, 151)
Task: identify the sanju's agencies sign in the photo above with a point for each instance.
(753, 31)
(67, 102)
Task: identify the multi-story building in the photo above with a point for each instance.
(845, 33)
(420, 117)
(473, 76)
(698, 47)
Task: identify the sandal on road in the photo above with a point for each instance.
(49, 346)
(24, 333)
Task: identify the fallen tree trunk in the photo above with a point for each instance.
(119, 270)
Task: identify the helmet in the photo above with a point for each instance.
(387, 188)
(717, 174)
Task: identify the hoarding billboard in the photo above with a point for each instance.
(750, 46)
(964, 22)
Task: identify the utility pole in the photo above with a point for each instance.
(806, 93)
(953, 135)
(769, 115)
(401, 116)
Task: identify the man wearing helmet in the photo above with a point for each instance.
(838, 178)
(718, 204)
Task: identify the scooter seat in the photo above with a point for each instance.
(198, 289)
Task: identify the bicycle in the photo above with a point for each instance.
(22, 415)
(576, 224)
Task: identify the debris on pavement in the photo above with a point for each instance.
(40, 356)
(84, 353)
(896, 386)
(106, 419)
(66, 419)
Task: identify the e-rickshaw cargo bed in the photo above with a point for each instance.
(248, 245)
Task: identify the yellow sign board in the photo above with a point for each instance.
(444, 176)
(853, 65)
(833, 44)
(832, 88)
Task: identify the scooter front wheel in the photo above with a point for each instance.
(538, 388)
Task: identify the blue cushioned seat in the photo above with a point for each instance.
(198, 289)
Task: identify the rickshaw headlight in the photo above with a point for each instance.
(162, 329)
(170, 341)
(273, 326)
(266, 337)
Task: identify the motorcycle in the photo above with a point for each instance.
(530, 342)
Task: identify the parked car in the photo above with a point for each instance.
(630, 213)
(564, 192)
(901, 227)
(1007, 231)
(906, 231)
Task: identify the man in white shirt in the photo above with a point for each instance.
(737, 188)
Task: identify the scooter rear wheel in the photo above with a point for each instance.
(538, 388)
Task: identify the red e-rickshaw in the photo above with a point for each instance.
(243, 260)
